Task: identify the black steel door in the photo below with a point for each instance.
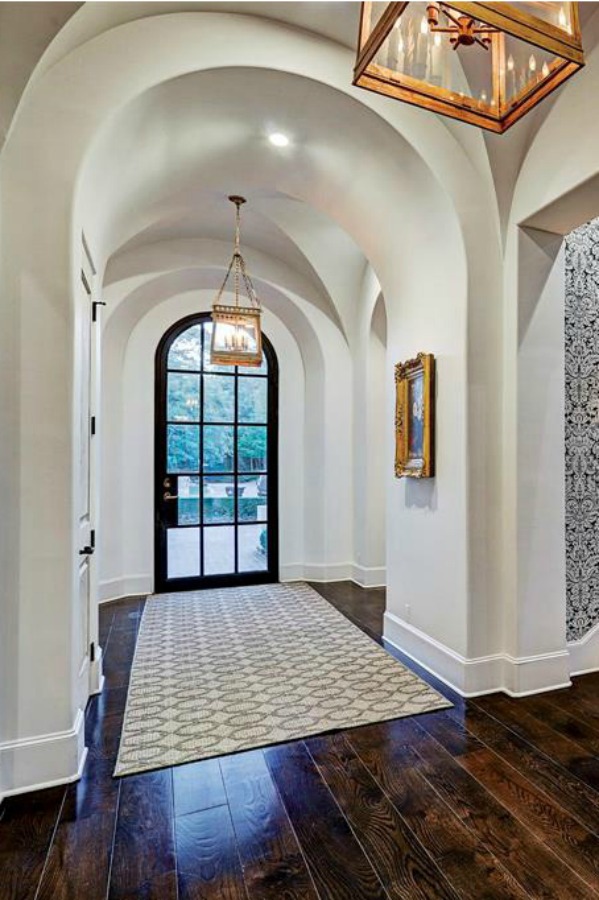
(216, 465)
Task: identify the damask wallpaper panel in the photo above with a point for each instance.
(582, 429)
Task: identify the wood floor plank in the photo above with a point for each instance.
(144, 841)
(26, 830)
(337, 863)
(551, 777)
(467, 864)
(79, 862)
(405, 868)
(127, 618)
(536, 868)
(102, 737)
(207, 859)
(365, 607)
(198, 786)
(272, 862)
(574, 758)
(564, 722)
(544, 817)
(569, 840)
(120, 650)
(575, 701)
(112, 701)
(163, 887)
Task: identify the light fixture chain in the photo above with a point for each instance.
(224, 284)
(248, 283)
(237, 255)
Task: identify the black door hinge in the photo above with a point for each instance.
(92, 652)
(92, 537)
(93, 425)
(95, 305)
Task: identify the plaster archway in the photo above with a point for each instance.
(43, 184)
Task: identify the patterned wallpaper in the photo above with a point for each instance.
(582, 429)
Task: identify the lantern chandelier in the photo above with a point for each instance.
(487, 64)
(236, 334)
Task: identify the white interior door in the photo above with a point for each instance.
(85, 380)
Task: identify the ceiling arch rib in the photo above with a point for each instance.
(130, 269)
(307, 325)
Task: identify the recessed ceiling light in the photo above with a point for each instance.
(278, 140)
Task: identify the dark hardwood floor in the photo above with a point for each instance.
(495, 798)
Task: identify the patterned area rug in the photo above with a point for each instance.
(224, 670)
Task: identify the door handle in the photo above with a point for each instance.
(87, 551)
(169, 496)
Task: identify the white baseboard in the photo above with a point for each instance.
(327, 572)
(517, 677)
(584, 654)
(292, 572)
(321, 572)
(43, 761)
(128, 586)
(137, 585)
(369, 576)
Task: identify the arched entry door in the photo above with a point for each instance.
(216, 465)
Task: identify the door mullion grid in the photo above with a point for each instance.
(270, 470)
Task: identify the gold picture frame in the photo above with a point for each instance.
(415, 417)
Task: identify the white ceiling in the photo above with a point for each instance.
(39, 34)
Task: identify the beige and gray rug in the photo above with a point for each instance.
(224, 670)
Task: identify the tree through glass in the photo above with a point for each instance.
(214, 508)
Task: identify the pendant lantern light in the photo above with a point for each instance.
(236, 332)
(487, 64)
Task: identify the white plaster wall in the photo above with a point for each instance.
(427, 523)
(541, 486)
(380, 457)
(371, 450)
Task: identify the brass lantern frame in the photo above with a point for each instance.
(243, 321)
(504, 19)
(237, 317)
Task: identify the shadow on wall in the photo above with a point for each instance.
(421, 493)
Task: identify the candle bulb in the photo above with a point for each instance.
(511, 76)
(532, 68)
(563, 21)
(409, 48)
(395, 54)
(399, 66)
(436, 61)
(545, 70)
(421, 51)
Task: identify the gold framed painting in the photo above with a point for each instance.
(415, 417)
